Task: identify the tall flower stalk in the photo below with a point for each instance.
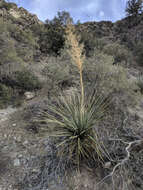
(75, 50)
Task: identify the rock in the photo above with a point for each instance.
(29, 95)
(20, 156)
(107, 165)
(25, 143)
(17, 138)
(14, 125)
(16, 162)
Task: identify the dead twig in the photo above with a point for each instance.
(130, 146)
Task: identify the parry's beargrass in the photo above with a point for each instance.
(73, 118)
(140, 82)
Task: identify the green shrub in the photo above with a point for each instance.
(52, 40)
(8, 52)
(119, 52)
(110, 79)
(6, 5)
(140, 83)
(5, 95)
(25, 53)
(57, 78)
(138, 51)
(91, 43)
(26, 80)
(54, 72)
(26, 37)
(2, 26)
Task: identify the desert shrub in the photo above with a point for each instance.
(140, 83)
(38, 29)
(110, 79)
(52, 39)
(26, 80)
(91, 42)
(5, 95)
(2, 26)
(54, 72)
(25, 43)
(58, 79)
(10, 27)
(6, 5)
(26, 37)
(13, 53)
(8, 52)
(25, 53)
(100, 43)
(119, 52)
(138, 51)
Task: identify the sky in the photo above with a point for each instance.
(83, 10)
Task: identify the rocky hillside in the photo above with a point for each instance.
(127, 32)
(20, 16)
(36, 71)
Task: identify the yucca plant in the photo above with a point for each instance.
(140, 82)
(73, 118)
(75, 125)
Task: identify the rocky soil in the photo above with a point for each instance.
(28, 160)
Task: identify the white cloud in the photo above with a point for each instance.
(79, 9)
(101, 13)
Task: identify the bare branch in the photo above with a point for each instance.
(131, 145)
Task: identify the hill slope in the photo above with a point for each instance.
(34, 59)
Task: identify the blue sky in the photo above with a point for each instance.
(83, 10)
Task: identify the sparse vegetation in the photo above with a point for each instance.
(6, 5)
(6, 94)
(138, 52)
(119, 52)
(140, 83)
(71, 82)
(18, 48)
(26, 80)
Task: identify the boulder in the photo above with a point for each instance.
(29, 95)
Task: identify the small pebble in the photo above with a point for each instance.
(14, 125)
(107, 165)
(25, 142)
(16, 162)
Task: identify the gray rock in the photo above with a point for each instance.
(16, 162)
(29, 95)
(107, 165)
(14, 125)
